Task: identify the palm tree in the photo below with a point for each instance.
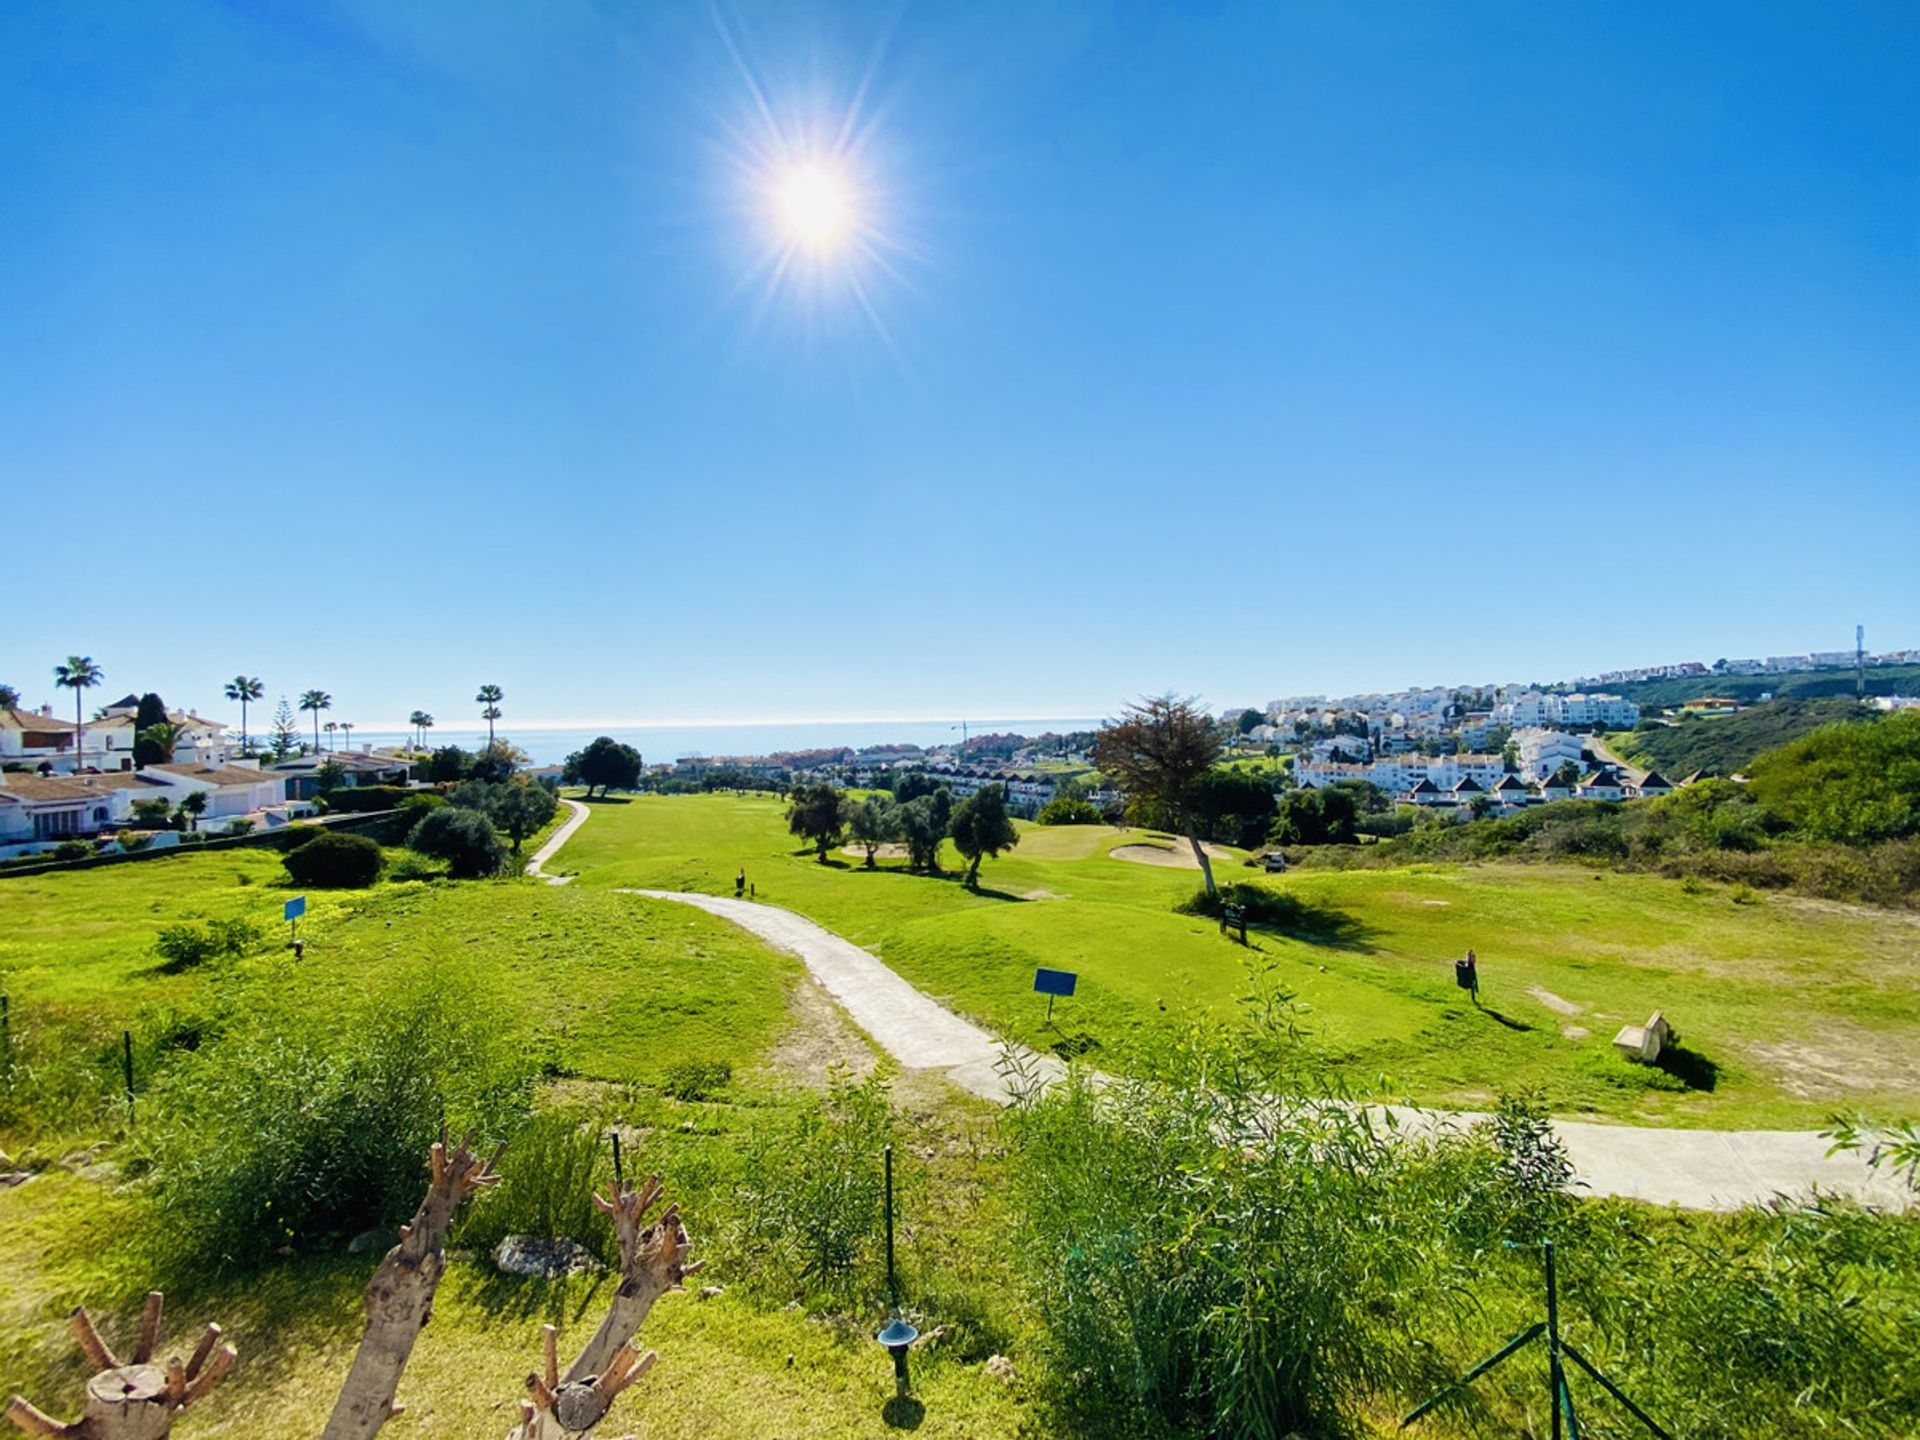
(316, 701)
(347, 727)
(490, 697)
(421, 722)
(78, 674)
(244, 688)
(330, 728)
(164, 736)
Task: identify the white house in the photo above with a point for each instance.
(1603, 784)
(234, 789)
(1511, 792)
(1544, 751)
(1534, 708)
(38, 812)
(1652, 785)
(41, 740)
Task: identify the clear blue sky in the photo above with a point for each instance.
(1241, 350)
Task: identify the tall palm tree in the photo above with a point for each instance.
(316, 701)
(330, 728)
(347, 727)
(244, 688)
(490, 697)
(421, 722)
(78, 674)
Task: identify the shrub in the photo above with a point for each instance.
(464, 839)
(336, 862)
(295, 836)
(1065, 810)
(304, 1133)
(812, 1198)
(241, 827)
(552, 1165)
(698, 1079)
(72, 850)
(409, 813)
(359, 799)
(181, 947)
(410, 866)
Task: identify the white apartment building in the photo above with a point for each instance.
(1557, 711)
(1401, 774)
(1544, 751)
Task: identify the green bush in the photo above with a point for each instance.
(464, 839)
(1064, 810)
(181, 947)
(72, 850)
(242, 826)
(698, 1079)
(410, 812)
(812, 1197)
(549, 1172)
(307, 1131)
(360, 799)
(336, 862)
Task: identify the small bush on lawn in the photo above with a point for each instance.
(304, 1132)
(181, 947)
(698, 1079)
(410, 812)
(336, 862)
(464, 839)
(294, 836)
(1277, 910)
(812, 1198)
(72, 850)
(552, 1166)
(410, 866)
(1066, 810)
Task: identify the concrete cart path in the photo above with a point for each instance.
(1697, 1169)
(554, 841)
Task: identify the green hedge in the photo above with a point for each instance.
(357, 799)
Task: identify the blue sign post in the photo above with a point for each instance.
(1052, 983)
(296, 907)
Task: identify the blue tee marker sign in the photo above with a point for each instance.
(296, 907)
(1052, 983)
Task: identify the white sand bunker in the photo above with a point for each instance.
(1175, 854)
(888, 851)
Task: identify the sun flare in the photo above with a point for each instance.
(814, 208)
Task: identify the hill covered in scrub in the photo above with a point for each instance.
(1727, 744)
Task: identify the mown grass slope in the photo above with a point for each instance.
(1787, 1009)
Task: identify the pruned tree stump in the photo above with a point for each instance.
(131, 1403)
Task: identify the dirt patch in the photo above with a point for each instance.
(1436, 902)
(1040, 895)
(1552, 1001)
(1838, 1061)
(1174, 854)
(820, 1039)
(1575, 1032)
(889, 851)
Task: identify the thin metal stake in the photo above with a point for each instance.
(126, 1054)
(6, 1039)
(893, 1289)
(618, 1179)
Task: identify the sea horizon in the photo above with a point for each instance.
(549, 744)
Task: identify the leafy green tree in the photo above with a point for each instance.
(464, 838)
(1568, 775)
(1326, 816)
(874, 822)
(912, 784)
(449, 763)
(498, 761)
(78, 674)
(329, 777)
(606, 764)
(1234, 807)
(316, 701)
(1157, 751)
(521, 807)
(244, 688)
(9, 698)
(1249, 721)
(151, 712)
(489, 698)
(818, 815)
(1068, 810)
(923, 825)
(982, 829)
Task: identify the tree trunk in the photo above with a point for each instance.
(400, 1297)
(135, 1401)
(1206, 865)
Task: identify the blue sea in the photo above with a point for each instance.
(658, 743)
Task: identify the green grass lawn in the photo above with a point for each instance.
(1788, 1010)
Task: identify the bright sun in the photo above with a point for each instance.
(815, 208)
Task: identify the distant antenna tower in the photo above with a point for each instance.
(1860, 662)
